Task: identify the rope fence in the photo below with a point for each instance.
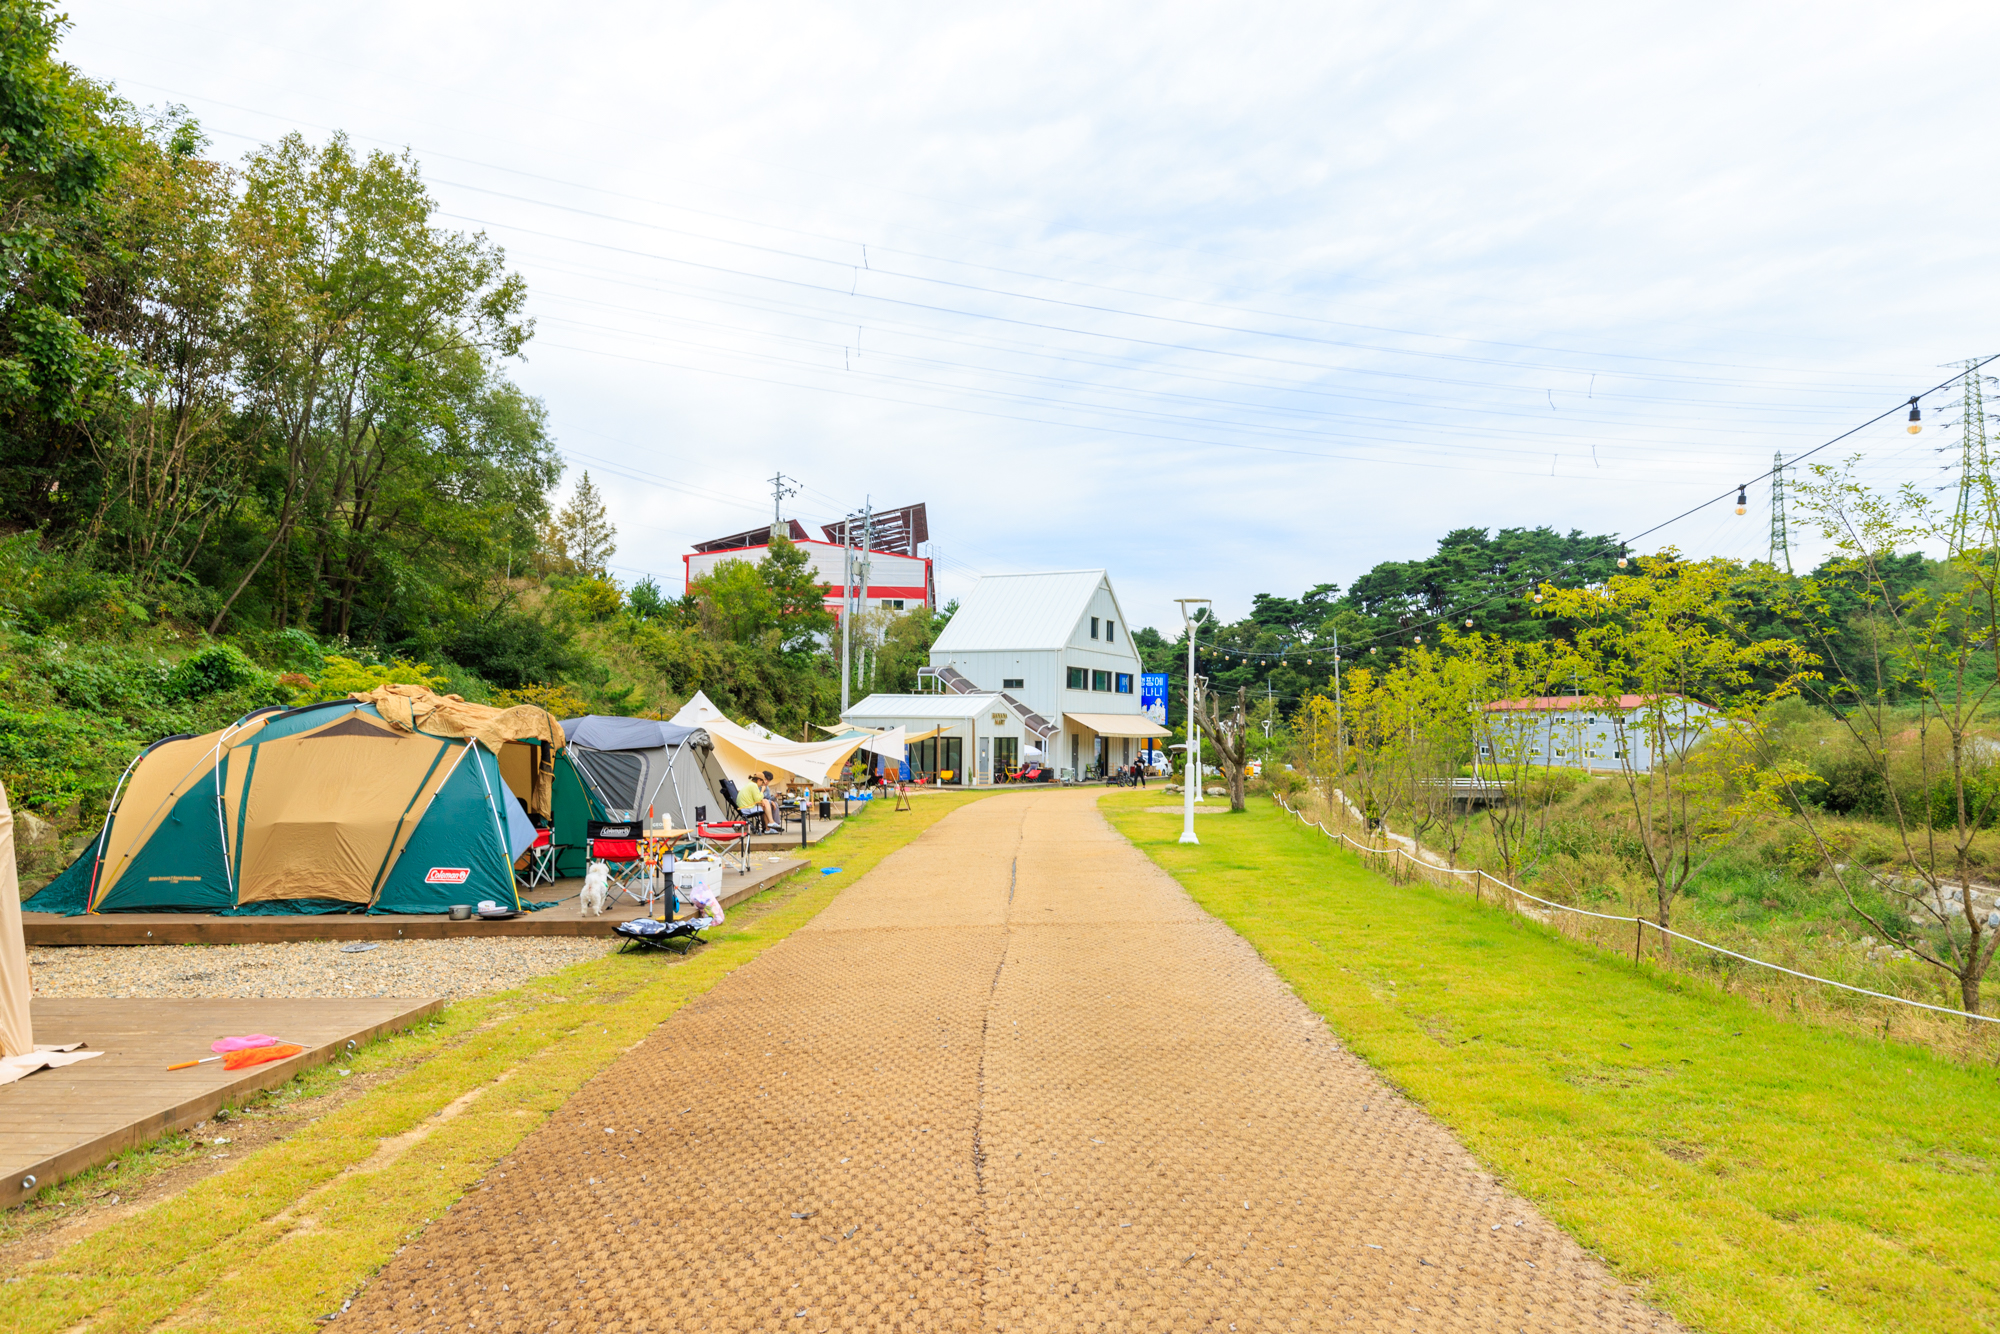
(1435, 874)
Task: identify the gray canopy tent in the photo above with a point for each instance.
(640, 767)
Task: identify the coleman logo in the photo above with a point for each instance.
(448, 875)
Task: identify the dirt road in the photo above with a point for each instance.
(1012, 1079)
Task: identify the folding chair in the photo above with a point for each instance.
(616, 844)
(726, 839)
(541, 860)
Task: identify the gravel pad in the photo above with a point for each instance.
(449, 968)
(1012, 1079)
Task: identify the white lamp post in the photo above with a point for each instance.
(1191, 763)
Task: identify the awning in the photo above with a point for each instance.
(1118, 724)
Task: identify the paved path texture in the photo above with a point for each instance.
(1013, 1079)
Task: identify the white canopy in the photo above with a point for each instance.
(742, 752)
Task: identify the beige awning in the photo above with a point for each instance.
(1118, 724)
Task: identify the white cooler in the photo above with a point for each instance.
(702, 875)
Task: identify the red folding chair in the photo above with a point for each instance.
(541, 860)
(617, 845)
(726, 839)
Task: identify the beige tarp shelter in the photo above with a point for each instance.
(741, 752)
(526, 739)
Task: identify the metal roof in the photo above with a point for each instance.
(1019, 611)
(925, 706)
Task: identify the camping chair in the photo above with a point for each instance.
(616, 844)
(726, 839)
(541, 860)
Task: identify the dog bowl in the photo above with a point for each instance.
(461, 911)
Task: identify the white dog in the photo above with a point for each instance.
(596, 893)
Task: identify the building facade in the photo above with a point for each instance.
(1583, 731)
(1057, 650)
(896, 578)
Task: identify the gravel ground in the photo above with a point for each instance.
(448, 968)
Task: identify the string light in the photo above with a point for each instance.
(1916, 418)
(1743, 500)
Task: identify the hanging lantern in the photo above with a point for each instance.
(1916, 418)
(1742, 501)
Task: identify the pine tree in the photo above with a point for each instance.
(585, 531)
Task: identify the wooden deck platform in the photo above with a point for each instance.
(56, 1123)
(174, 928)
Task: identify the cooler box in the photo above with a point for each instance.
(705, 876)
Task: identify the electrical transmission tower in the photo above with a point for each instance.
(1781, 549)
(1972, 450)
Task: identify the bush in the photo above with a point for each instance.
(346, 676)
(213, 670)
(515, 649)
(558, 699)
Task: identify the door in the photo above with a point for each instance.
(951, 758)
(986, 759)
(1006, 756)
(1101, 756)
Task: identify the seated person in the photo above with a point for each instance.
(749, 798)
(771, 820)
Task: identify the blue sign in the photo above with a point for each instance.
(1153, 696)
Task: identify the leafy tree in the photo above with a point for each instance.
(1660, 653)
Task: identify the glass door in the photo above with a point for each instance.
(1006, 757)
(951, 759)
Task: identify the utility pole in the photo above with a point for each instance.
(779, 491)
(1781, 550)
(1191, 762)
(867, 567)
(846, 611)
(1339, 728)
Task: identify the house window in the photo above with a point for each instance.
(1534, 750)
(1109, 637)
(1078, 679)
(894, 604)
(1100, 680)
(1617, 754)
(1011, 683)
(1093, 627)
(1486, 750)
(1124, 683)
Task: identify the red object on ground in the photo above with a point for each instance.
(249, 1056)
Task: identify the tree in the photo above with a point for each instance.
(1658, 653)
(585, 532)
(1229, 730)
(1508, 677)
(1910, 669)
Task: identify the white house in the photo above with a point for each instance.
(977, 735)
(1057, 651)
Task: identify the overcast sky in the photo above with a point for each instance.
(1226, 299)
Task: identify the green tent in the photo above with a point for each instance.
(326, 808)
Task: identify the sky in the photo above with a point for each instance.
(1225, 300)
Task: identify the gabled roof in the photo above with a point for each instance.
(1019, 611)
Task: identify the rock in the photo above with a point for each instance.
(33, 831)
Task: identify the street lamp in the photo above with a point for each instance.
(1191, 764)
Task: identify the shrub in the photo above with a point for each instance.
(514, 649)
(213, 670)
(345, 676)
(559, 700)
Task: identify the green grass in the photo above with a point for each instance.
(1744, 1172)
(291, 1231)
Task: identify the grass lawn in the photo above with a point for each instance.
(1744, 1172)
(291, 1231)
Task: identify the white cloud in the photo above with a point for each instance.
(1784, 207)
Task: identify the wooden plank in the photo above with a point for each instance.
(565, 919)
(63, 1121)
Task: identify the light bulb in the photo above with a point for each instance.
(1468, 622)
(1742, 501)
(1916, 418)
(1372, 652)
(1621, 562)
(1538, 597)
